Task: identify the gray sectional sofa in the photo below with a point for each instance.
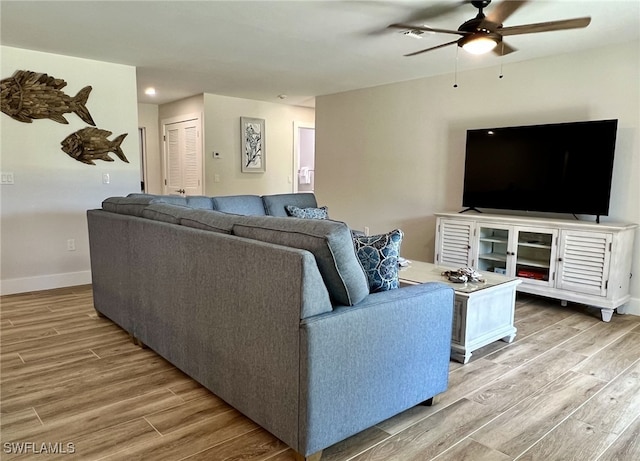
(272, 314)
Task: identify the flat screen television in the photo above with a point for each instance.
(558, 168)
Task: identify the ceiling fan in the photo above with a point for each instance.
(484, 33)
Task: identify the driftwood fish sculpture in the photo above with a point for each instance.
(91, 144)
(27, 95)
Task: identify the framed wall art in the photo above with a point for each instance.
(252, 132)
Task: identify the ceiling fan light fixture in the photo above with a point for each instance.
(479, 44)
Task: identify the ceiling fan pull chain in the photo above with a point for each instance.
(455, 73)
(501, 60)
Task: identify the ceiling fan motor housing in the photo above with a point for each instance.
(480, 4)
(479, 28)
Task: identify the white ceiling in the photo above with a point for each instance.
(262, 49)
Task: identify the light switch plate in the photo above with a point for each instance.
(6, 178)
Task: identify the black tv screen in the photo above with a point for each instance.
(559, 168)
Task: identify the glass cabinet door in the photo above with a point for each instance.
(524, 252)
(535, 254)
(493, 249)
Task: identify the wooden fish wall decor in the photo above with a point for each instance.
(27, 95)
(91, 144)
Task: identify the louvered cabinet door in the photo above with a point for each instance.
(583, 265)
(453, 242)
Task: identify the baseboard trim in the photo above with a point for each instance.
(632, 307)
(44, 282)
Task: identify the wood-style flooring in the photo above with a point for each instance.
(74, 386)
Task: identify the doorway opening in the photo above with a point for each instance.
(304, 156)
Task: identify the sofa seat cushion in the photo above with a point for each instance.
(308, 213)
(210, 220)
(274, 205)
(330, 243)
(378, 255)
(248, 205)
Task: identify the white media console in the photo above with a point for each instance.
(577, 261)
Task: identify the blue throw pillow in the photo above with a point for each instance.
(308, 213)
(378, 255)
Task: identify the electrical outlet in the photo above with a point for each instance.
(216, 178)
(366, 231)
(71, 245)
(106, 179)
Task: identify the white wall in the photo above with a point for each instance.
(397, 151)
(222, 134)
(47, 204)
(221, 127)
(186, 106)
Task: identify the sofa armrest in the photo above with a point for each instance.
(395, 344)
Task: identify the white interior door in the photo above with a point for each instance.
(183, 173)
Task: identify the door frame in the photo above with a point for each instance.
(179, 119)
(297, 125)
(144, 175)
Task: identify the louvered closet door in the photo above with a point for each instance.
(183, 158)
(173, 178)
(584, 262)
(454, 243)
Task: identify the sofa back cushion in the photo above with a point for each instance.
(274, 205)
(210, 220)
(166, 212)
(200, 201)
(133, 205)
(249, 205)
(329, 241)
(172, 199)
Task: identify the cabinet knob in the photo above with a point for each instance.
(559, 259)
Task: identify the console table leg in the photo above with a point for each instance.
(606, 314)
(462, 356)
(509, 339)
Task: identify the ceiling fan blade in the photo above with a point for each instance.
(500, 12)
(503, 49)
(576, 23)
(432, 48)
(425, 28)
(433, 11)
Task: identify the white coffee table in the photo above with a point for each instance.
(483, 311)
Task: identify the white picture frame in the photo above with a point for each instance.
(252, 142)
